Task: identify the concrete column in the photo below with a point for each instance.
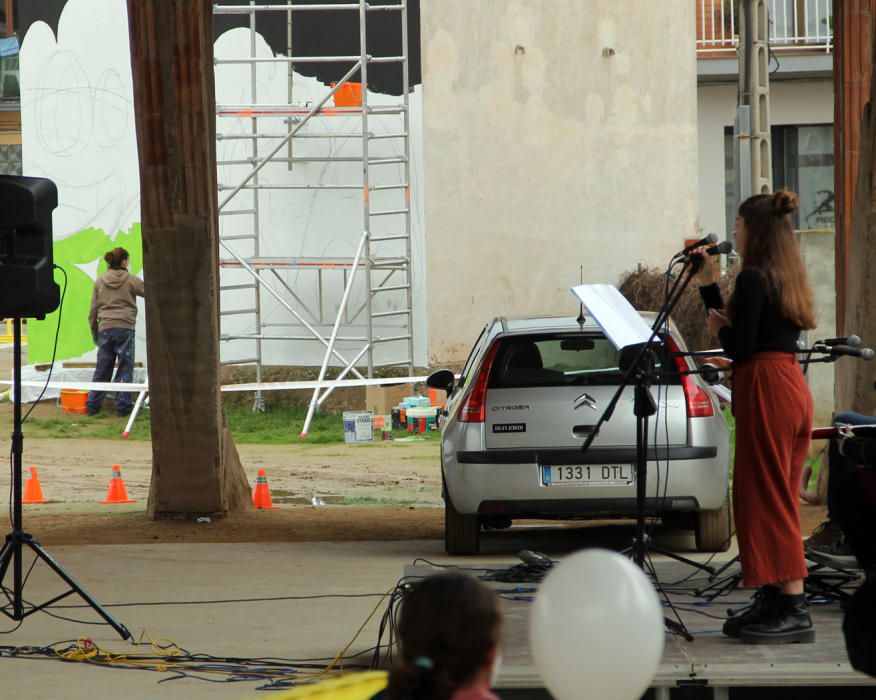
(754, 88)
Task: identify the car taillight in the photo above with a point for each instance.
(472, 409)
(697, 401)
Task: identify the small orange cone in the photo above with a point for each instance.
(261, 495)
(117, 493)
(33, 491)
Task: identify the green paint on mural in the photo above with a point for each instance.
(81, 248)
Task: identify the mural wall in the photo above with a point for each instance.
(78, 130)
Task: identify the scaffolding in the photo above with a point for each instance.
(381, 333)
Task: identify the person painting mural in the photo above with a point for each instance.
(112, 317)
(771, 304)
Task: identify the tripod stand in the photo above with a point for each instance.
(644, 407)
(636, 365)
(823, 579)
(16, 608)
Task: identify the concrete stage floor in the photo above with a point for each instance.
(305, 629)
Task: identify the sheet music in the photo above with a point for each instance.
(723, 393)
(617, 318)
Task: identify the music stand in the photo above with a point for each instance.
(629, 333)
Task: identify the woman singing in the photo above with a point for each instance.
(771, 303)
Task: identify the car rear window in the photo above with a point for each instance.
(555, 360)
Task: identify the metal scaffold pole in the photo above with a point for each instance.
(384, 329)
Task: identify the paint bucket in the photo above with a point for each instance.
(358, 426)
(348, 95)
(396, 420)
(419, 418)
(73, 400)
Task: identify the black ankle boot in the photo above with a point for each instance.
(787, 623)
(756, 612)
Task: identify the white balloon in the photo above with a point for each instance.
(596, 628)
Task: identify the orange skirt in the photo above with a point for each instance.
(773, 410)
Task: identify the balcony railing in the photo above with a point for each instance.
(804, 26)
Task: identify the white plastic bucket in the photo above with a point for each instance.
(358, 426)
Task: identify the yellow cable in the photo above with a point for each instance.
(87, 651)
(340, 655)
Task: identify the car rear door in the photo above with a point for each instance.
(535, 381)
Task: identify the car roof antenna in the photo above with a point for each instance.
(582, 319)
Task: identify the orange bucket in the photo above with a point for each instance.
(73, 400)
(348, 95)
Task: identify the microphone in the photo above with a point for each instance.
(711, 373)
(711, 239)
(722, 248)
(852, 341)
(865, 354)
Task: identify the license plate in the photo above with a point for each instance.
(588, 475)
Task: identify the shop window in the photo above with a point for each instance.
(802, 162)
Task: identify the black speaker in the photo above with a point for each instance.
(27, 283)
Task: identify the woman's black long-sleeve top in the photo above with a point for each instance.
(757, 324)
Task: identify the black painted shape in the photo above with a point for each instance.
(30, 11)
(322, 33)
(336, 33)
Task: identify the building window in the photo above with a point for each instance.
(802, 162)
(8, 13)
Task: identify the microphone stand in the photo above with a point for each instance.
(641, 374)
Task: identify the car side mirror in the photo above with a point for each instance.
(442, 379)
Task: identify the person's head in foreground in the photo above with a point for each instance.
(449, 637)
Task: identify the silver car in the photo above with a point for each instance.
(531, 392)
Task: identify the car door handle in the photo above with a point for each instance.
(583, 431)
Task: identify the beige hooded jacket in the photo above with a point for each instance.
(114, 301)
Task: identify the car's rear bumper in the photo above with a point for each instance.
(514, 488)
(585, 507)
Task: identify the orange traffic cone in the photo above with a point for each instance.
(261, 495)
(33, 492)
(117, 493)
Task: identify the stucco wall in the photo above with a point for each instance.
(558, 133)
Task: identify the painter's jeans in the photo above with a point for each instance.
(113, 344)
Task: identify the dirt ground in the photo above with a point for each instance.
(382, 491)
(340, 492)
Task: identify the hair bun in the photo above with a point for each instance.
(785, 202)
